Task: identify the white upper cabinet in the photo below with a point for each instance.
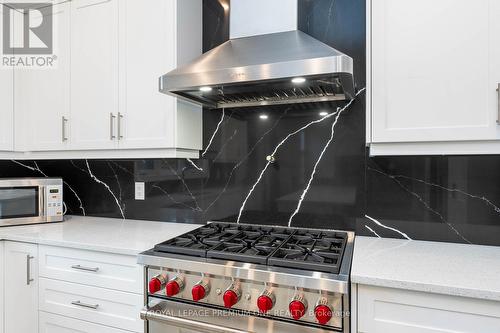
(94, 74)
(101, 99)
(435, 68)
(6, 110)
(148, 117)
(43, 95)
(7, 105)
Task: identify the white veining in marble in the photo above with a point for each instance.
(119, 185)
(97, 180)
(444, 268)
(456, 190)
(193, 164)
(195, 201)
(372, 231)
(243, 160)
(214, 133)
(385, 227)
(423, 202)
(313, 173)
(128, 237)
(270, 158)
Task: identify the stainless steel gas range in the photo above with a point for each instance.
(236, 278)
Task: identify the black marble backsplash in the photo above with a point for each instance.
(317, 179)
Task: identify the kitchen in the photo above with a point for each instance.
(249, 166)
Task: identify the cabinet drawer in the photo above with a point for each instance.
(106, 270)
(101, 306)
(51, 323)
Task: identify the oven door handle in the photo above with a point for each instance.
(155, 315)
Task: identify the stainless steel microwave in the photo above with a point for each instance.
(30, 201)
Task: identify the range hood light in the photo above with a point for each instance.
(263, 116)
(205, 89)
(298, 80)
(323, 113)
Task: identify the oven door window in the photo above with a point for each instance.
(16, 202)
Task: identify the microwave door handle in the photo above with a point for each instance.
(42, 201)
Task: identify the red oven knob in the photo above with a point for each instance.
(156, 283)
(231, 297)
(265, 302)
(297, 309)
(174, 286)
(323, 314)
(200, 291)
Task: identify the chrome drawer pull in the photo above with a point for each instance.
(87, 269)
(84, 305)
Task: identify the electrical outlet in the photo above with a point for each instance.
(140, 191)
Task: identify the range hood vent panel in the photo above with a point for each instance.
(257, 70)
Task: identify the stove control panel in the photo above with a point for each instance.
(263, 298)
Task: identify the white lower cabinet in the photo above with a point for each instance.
(96, 305)
(2, 308)
(21, 287)
(98, 269)
(50, 289)
(386, 310)
(51, 323)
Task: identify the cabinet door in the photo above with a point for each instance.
(2, 290)
(43, 95)
(435, 70)
(147, 53)
(7, 105)
(21, 287)
(94, 73)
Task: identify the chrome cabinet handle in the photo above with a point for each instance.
(87, 269)
(112, 135)
(85, 305)
(64, 121)
(186, 323)
(498, 106)
(28, 270)
(120, 117)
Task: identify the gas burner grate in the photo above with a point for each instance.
(308, 249)
(252, 245)
(312, 250)
(197, 242)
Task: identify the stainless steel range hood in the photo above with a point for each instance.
(268, 69)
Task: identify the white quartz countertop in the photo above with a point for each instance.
(443, 268)
(128, 237)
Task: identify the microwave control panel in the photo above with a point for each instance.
(54, 200)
